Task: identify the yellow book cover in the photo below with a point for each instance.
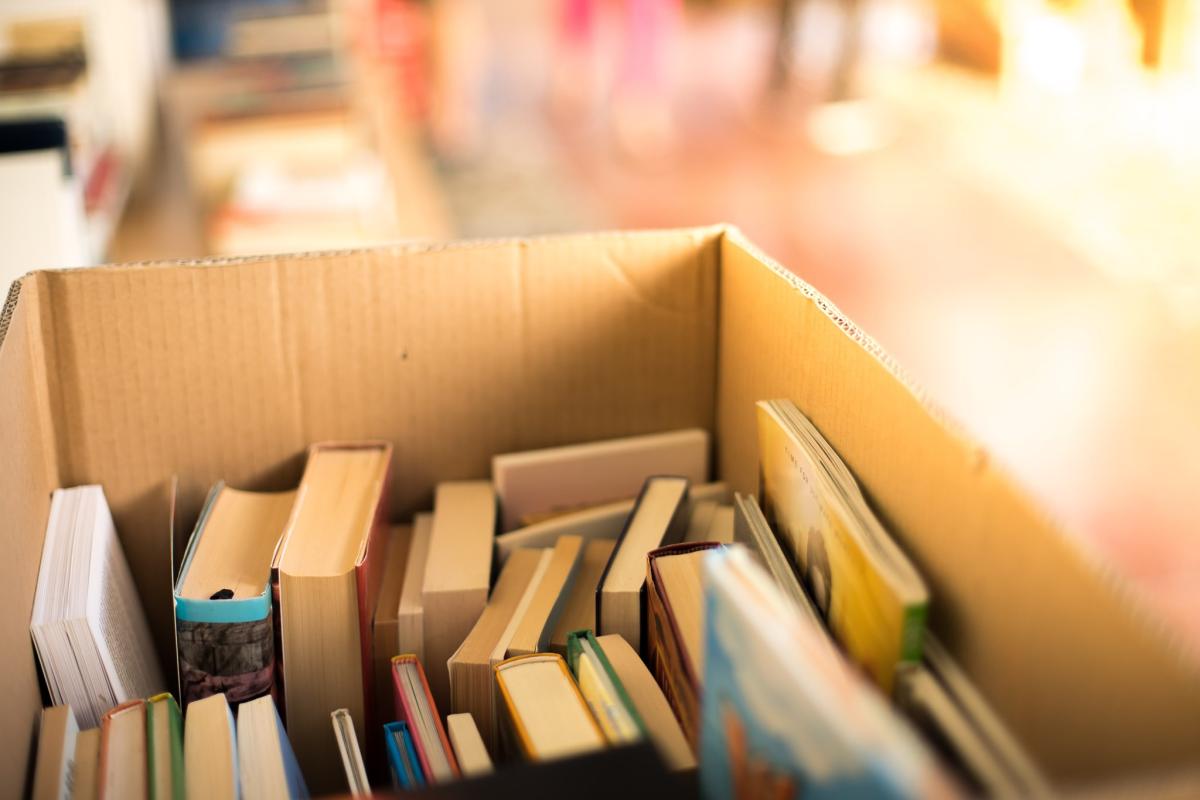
(865, 589)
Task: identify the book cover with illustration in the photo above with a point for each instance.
(863, 586)
(785, 716)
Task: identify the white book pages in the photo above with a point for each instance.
(88, 625)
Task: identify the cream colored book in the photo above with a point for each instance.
(545, 714)
(267, 766)
(385, 624)
(210, 742)
(457, 574)
(585, 475)
(720, 529)
(650, 702)
(85, 778)
(123, 752)
(472, 683)
(579, 611)
(469, 750)
(410, 615)
(55, 754)
(234, 546)
(659, 518)
(605, 521)
(700, 520)
(328, 585)
(547, 604)
(347, 747)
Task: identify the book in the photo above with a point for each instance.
(866, 589)
(751, 529)
(469, 750)
(472, 681)
(266, 764)
(415, 706)
(544, 713)
(210, 749)
(52, 772)
(659, 518)
(410, 616)
(675, 620)
(223, 608)
(710, 521)
(579, 608)
(943, 703)
(786, 716)
(347, 746)
(164, 755)
(604, 521)
(582, 475)
(458, 571)
(699, 520)
(601, 687)
(88, 627)
(406, 769)
(329, 569)
(385, 628)
(537, 623)
(85, 778)
(122, 765)
(647, 697)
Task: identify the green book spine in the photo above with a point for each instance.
(574, 648)
(175, 723)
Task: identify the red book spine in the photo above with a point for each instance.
(408, 714)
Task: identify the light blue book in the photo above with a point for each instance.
(785, 715)
(402, 756)
(266, 762)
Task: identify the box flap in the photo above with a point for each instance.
(25, 485)
(1088, 680)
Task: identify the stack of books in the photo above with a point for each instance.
(638, 613)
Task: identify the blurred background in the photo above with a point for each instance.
(1004, 193)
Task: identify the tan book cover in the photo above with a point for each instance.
(472, 682)
(537, 624)
(330, 565)
(385, 625)
(457, 573)
(582, 475)
(579, 611)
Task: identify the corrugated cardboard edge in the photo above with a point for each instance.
(1184, 649)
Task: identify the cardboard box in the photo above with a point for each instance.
(130, 375)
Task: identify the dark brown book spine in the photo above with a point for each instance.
(664, 645)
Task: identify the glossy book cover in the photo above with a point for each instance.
(785, 716)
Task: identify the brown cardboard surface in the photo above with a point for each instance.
(229, 369)
(26, 481)
(1087, 681)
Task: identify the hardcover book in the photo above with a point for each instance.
(674, 612)
(330, 565)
